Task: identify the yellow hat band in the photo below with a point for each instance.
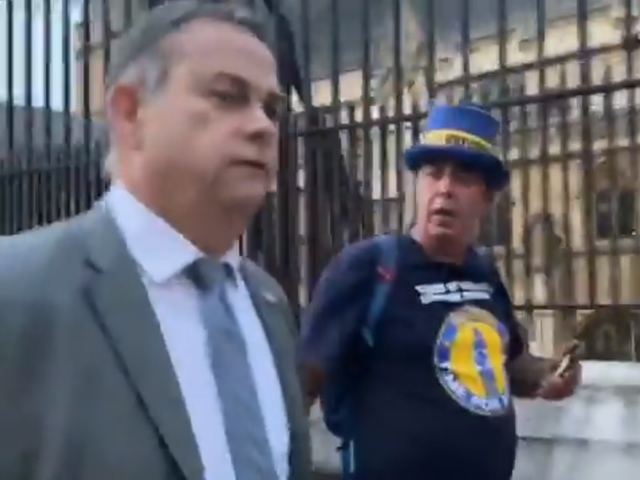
(456, 137)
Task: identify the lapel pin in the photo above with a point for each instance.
(269, 297)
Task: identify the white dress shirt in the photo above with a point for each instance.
(162, 254)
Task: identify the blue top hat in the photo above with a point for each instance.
(464, 133)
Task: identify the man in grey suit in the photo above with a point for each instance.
(135, 342)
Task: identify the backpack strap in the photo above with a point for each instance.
(387, 254)
(387, 259)
(487, 261)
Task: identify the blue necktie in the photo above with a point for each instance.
(244, 424)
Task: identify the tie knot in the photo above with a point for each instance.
(206, 273)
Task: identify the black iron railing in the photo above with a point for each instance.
(562, 75)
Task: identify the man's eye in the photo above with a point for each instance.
(272, 111)
(226, 96)
(431, 171)
(467, 176)
(464, 175)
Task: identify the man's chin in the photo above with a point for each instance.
(246, 199)
(443, 232)
(445, 243)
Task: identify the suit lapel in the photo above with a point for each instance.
(120, 303)
(272, 315)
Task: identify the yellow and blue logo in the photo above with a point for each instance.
(470, 355)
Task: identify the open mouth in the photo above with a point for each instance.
(443, 212)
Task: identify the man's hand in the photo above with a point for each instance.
(563, 385)
(536, 377)
(312, 379)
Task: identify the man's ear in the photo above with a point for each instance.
(490, 197)
(123, 113)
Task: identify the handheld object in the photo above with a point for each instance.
(569, 358)
(572, 351)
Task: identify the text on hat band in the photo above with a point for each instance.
(455, 137)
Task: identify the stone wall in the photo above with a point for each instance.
(592, 436)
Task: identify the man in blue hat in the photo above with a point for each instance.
(431, 398)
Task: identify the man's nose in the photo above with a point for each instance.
(445, 183)
(260, 126)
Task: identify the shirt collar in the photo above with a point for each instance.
(160, 250)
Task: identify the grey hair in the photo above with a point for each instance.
(148, 73)
(148, 70)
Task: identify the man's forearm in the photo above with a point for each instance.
(527, 373)
(312, 379)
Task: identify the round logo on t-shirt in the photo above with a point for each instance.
(469, 359)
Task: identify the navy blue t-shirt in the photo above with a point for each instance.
(434, 400)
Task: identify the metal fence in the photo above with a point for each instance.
(562, 75)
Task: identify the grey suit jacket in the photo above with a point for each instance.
(87, 391)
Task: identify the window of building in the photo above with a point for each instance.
(487, 90)
(615, 212)
(542, 242)
(499, 87)
(517, 84)
(495, 229)
(612, 335)
(615, 199)
(559, 111)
